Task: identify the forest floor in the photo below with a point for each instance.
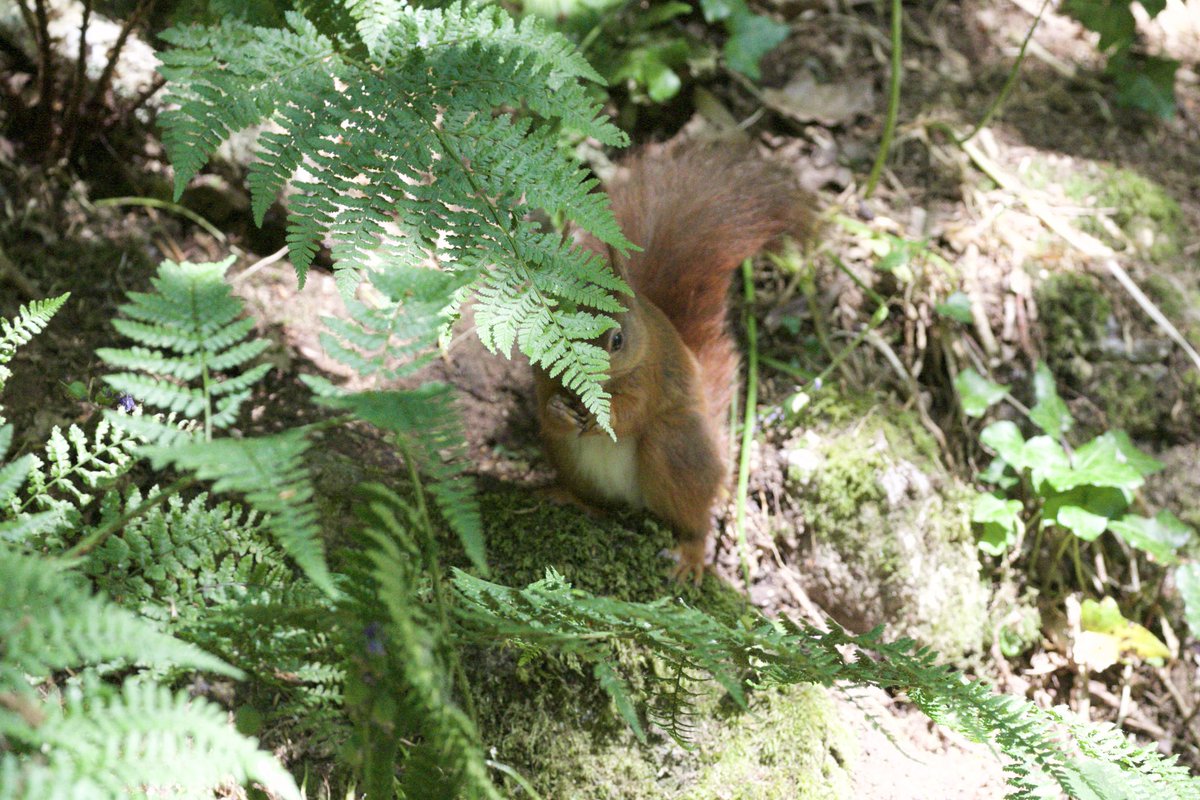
(1057, 138)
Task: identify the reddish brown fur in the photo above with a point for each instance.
(697, 212)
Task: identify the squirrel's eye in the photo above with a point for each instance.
(618, 339)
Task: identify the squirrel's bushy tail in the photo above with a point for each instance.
(697, 212)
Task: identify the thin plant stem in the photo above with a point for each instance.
(1077, 559)
(889, 125)
(877, 318)
(75, 96)
(1062, 549)
(1010, 81)
(743, 480)
(142, 10)
(520, 779)
(433, 566)
(786, 368)
(164, 205)
(45, 77)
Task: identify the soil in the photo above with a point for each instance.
(956, 58)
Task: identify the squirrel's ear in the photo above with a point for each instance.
(618, 264)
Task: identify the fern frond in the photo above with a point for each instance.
(179, 561)
(1096, 762)
(414, 152)
(30, 321)
(24, 779)
(13, 474)
(191, 340)
(406, 661)
(64, 479)
(397, 337)
(148, 741)
(49, 621)
(270, 472)
(427, 423)
(373, 19)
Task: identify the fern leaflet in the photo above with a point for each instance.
(410, 153)
(30, 321)
(191, 339)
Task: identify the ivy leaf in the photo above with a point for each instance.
(1081, 522)
(978, 394)
(662, 82)
(1113, 21)
(1129, 453)
(1100, 462)
(751, 37)
(1050, 413)
(1107, 637)
(1005, 438)
(999, 474)
(956, 307)
(1001, 521)
(1044, 456)
(1187, 578)
(1086, 511)
(717, 10)
(1144, 82)
(1161, 537)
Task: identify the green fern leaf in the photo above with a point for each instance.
(148, 742)
(397, 337)
(410, 153)
(191, 341)
(1095, 762)
(428, 425)
(373, 20)
(30, 321)
(449, 762)
(49, 622)
(270, 472)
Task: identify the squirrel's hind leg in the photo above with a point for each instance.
(681, 472)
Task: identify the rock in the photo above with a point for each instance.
(891, 538)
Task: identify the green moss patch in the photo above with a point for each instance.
(547, 717)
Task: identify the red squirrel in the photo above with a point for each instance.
(697, 212)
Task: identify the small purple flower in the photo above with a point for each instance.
(126, 403)
(374, 634)
(816, 384)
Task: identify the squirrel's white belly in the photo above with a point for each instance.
(609, 467)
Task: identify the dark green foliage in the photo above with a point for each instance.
(404, 686)
(270, 472)
(179, 562)
(751, 36)
(111, 731)
(392, 112)
(550, 615)
(1143, 81)
(382, 660)
(193, 338)
(98, 740)
(430, 435)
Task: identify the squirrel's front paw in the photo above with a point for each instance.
(691, 564)
(566, 416)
